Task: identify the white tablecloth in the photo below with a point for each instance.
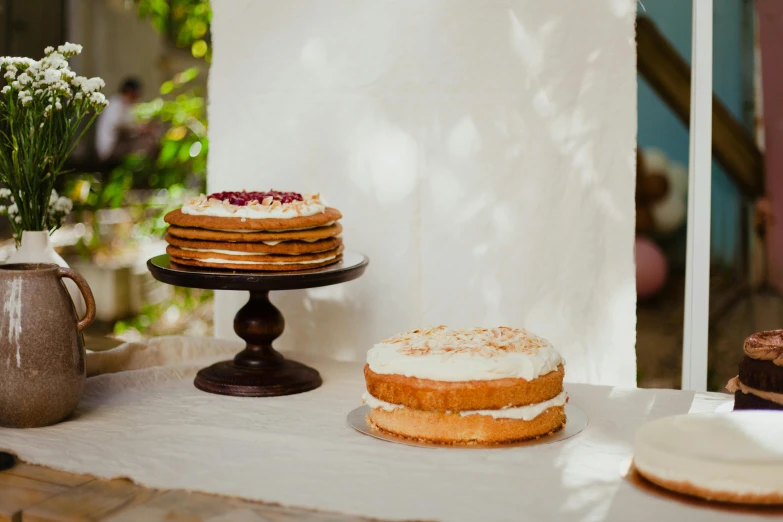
(151, 425)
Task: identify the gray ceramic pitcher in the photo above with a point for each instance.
(42, 368)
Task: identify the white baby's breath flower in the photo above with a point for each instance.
(46, 85)
(52, 76)
(89, 85)
(54, 61)
(63, 205)
(69, 49)
(98, 98)
(59, 206)
(16, 61)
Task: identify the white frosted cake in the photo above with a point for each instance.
(479, 385)
(732, 457)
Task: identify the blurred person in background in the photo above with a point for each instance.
(117, 133)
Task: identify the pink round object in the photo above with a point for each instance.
(651, 268)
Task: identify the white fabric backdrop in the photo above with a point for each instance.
(482, 154)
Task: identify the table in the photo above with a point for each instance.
(36, 494)
(33, 493)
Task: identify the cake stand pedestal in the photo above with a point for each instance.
(259, 370)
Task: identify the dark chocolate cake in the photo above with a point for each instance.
(759, 385)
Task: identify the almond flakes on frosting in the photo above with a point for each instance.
(444, 354)
(485, 342)
(268, 207)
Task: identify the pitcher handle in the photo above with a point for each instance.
(84, 288)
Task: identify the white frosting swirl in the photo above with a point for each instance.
(204, 206)
(526, 413)
(476, 354)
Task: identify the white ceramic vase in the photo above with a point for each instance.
(36, 247)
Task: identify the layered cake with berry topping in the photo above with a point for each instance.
(255, 231)
(479, 385)
(759, 384)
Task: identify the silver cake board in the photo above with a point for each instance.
(576, 421)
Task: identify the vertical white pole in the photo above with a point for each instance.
(697, 262)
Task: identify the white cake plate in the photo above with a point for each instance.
(576, 421)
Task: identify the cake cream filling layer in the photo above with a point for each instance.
(738, 452)
(227, 252)
(441, 354)
(525, 413)
(245, 231)
(309, 240)
(273, 243)
(735, 385)
(240, 262)
(203, 206)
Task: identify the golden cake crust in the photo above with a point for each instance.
(202, 234)
(176, 217)
(441, 396)
(287, 247)
(687, 488)
(453, 428)
(261, 267)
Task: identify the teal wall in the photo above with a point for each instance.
(659, 127)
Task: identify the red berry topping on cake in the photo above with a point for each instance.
(243, 198)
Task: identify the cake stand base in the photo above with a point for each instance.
(259, 370)
(226, 378)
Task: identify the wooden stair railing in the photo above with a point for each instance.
(670, 77)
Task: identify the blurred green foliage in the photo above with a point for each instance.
(175, 310)
(181, 161)
(181, 109)
(154, 184)
(186, 22)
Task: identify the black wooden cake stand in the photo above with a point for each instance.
(258, 370)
